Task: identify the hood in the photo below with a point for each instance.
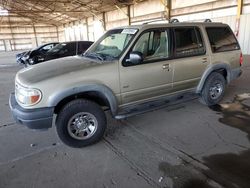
(21, 54)
(53, 68)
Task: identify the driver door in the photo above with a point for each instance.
(153, 76)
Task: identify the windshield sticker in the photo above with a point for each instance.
(129, 31)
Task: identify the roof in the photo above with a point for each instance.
(57, 12)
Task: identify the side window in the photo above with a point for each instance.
(83, 46)
(47, 47)
(153, 45)
(69, 49)
(188, 42)
(222, 39)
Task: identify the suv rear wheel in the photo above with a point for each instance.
(213, 89)
(81, 123)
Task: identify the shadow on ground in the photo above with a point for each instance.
(234, 169)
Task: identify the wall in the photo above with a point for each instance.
(24, 35)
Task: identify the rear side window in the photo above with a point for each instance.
(71, 47)
(188, 42)
(222, 39)
(83, 46)
(68, 49)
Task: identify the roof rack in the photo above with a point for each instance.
(207, 20)
(174, 20)
(157, 20)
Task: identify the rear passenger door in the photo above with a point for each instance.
(190, 57)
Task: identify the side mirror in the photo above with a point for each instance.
(135, 58)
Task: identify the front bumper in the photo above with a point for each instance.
(38, 118)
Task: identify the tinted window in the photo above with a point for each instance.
(222, 39)
(64, 49)
(70, 49)
(153, 45)
(188, 42)
(48, 47)
(83, 46)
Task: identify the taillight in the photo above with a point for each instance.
(241, 59)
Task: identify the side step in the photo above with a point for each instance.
(154, 105)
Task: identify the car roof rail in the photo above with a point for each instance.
(174, 20)
(157, 20)
(207, 20)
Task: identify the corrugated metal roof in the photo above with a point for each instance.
(56, 12)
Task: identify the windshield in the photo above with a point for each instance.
(112, 44)
(57, 48)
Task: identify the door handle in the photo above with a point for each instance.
(204, 60)
(165, 66)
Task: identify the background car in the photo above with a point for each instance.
(65, 49)
(36, 53)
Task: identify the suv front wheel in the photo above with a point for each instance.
(81, 123)
(213, 89)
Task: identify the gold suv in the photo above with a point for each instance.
(129, 70)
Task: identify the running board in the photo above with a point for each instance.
(155, 105)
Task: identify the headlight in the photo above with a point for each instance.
(31, 61)
(27, 96)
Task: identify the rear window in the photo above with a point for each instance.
(222, 39)
(188, 42)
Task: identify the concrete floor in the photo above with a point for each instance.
(187, 145)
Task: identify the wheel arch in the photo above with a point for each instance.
(222, 68)
(100, 94)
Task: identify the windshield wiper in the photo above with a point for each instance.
(109, 57)
(95, 55)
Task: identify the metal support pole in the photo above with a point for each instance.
(239, 12)
(167, 8)
(129, 15)
(34, 30)
(5, 46)
(12, 36)
(104, 21)
(87, 27)
(239, 8)
(57, 33)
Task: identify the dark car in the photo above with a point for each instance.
(67, 49)
(24, 57)
(36, 54)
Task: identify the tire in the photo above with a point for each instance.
(81, 123)
(213, 89)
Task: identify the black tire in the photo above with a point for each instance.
(215, 79)
(71, 110)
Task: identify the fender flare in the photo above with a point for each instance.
(209, 70)
(105, 92)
